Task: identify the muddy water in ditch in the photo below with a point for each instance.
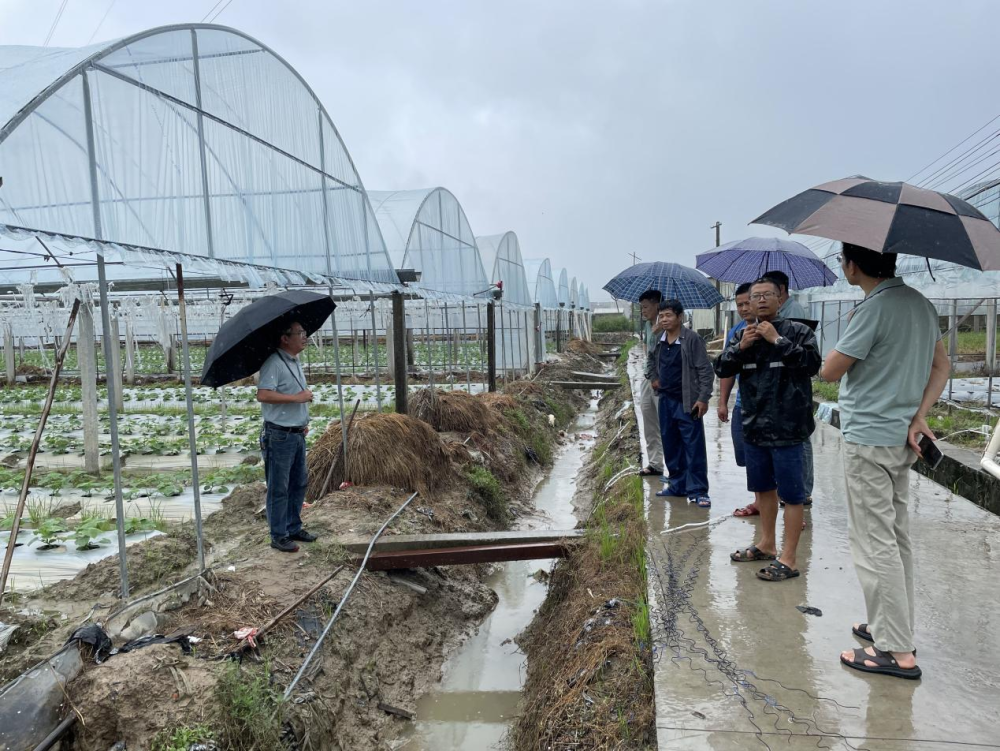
(481, 682)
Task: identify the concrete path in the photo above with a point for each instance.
(739, 667)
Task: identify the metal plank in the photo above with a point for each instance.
(397, 559)
(586, 385)
(359, 543)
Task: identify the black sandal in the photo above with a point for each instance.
(885, 664)
(650, 472)
(777, 572)
(863, 632)
(751, 554)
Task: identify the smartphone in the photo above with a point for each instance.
(931, 453)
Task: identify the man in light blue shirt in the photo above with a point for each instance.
(284, 397)
(894, 368)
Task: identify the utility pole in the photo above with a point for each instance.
(718, 308)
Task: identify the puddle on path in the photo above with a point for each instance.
(481, 682)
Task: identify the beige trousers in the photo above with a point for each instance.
(877, 494)
(649, 405)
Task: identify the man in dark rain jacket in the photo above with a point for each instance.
(775, 360)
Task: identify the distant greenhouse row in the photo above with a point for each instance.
(200, 146)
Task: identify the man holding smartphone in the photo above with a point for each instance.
(894, 368)
(775, 360)
(681, 373)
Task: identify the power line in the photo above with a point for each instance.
(55, 23)
(952, 148)
(205, 18)
(964, 169)
(101, 23)
(958, 159)
(219, 13)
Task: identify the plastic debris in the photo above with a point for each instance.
(230, 568)
(96, 638)
(808, 610)
(552, 420)
(346, 485)
(247, 632)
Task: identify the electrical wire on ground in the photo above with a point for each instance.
(675, 571)
(343, 599)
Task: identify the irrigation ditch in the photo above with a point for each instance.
(476, 462)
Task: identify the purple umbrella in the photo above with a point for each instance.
(747, 260)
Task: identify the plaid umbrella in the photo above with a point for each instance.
(892, 218)
(747, 260)
(675, 282)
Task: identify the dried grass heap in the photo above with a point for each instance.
(383, 449)
(582, 347)
(452, 411)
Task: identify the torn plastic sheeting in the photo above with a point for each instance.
(96, 638)
(32, 705)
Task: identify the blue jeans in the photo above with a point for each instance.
(736, 428)
(777, 468)
(684, 451)
(285, 473)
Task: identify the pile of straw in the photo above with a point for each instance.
(452, 410)
(582, 347)
(383, 449)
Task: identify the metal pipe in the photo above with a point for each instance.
(465, 351)
(479, 342)
(340, 388)
(343, 599)
(52, 738)
(116, 459)
(378, 377)
(427, 341)
(503, 344)
(189, 401)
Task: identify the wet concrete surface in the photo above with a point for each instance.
(739, 667)
(471, 708)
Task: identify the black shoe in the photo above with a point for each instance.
(303, 536)
(285, 545)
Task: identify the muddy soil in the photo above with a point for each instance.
(386, 649)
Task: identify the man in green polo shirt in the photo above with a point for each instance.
(894, 368)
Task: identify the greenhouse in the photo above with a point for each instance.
(149, 181)
(166, 151)
(427, 231)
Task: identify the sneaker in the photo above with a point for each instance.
(285, 545)
(303, 536)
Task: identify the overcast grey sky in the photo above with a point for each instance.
(595, 129)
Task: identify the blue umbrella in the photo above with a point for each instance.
(747, 260)
(675, 282)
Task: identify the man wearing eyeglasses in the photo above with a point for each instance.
(775, 359)
(284, 402)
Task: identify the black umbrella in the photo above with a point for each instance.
(892, 218)
(247, 339)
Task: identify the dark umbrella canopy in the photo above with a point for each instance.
(675, 282)
(246, 340)
(892, 218)
(747, 260)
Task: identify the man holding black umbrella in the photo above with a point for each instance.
(284, 397)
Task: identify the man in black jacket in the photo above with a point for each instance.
(776, 360)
